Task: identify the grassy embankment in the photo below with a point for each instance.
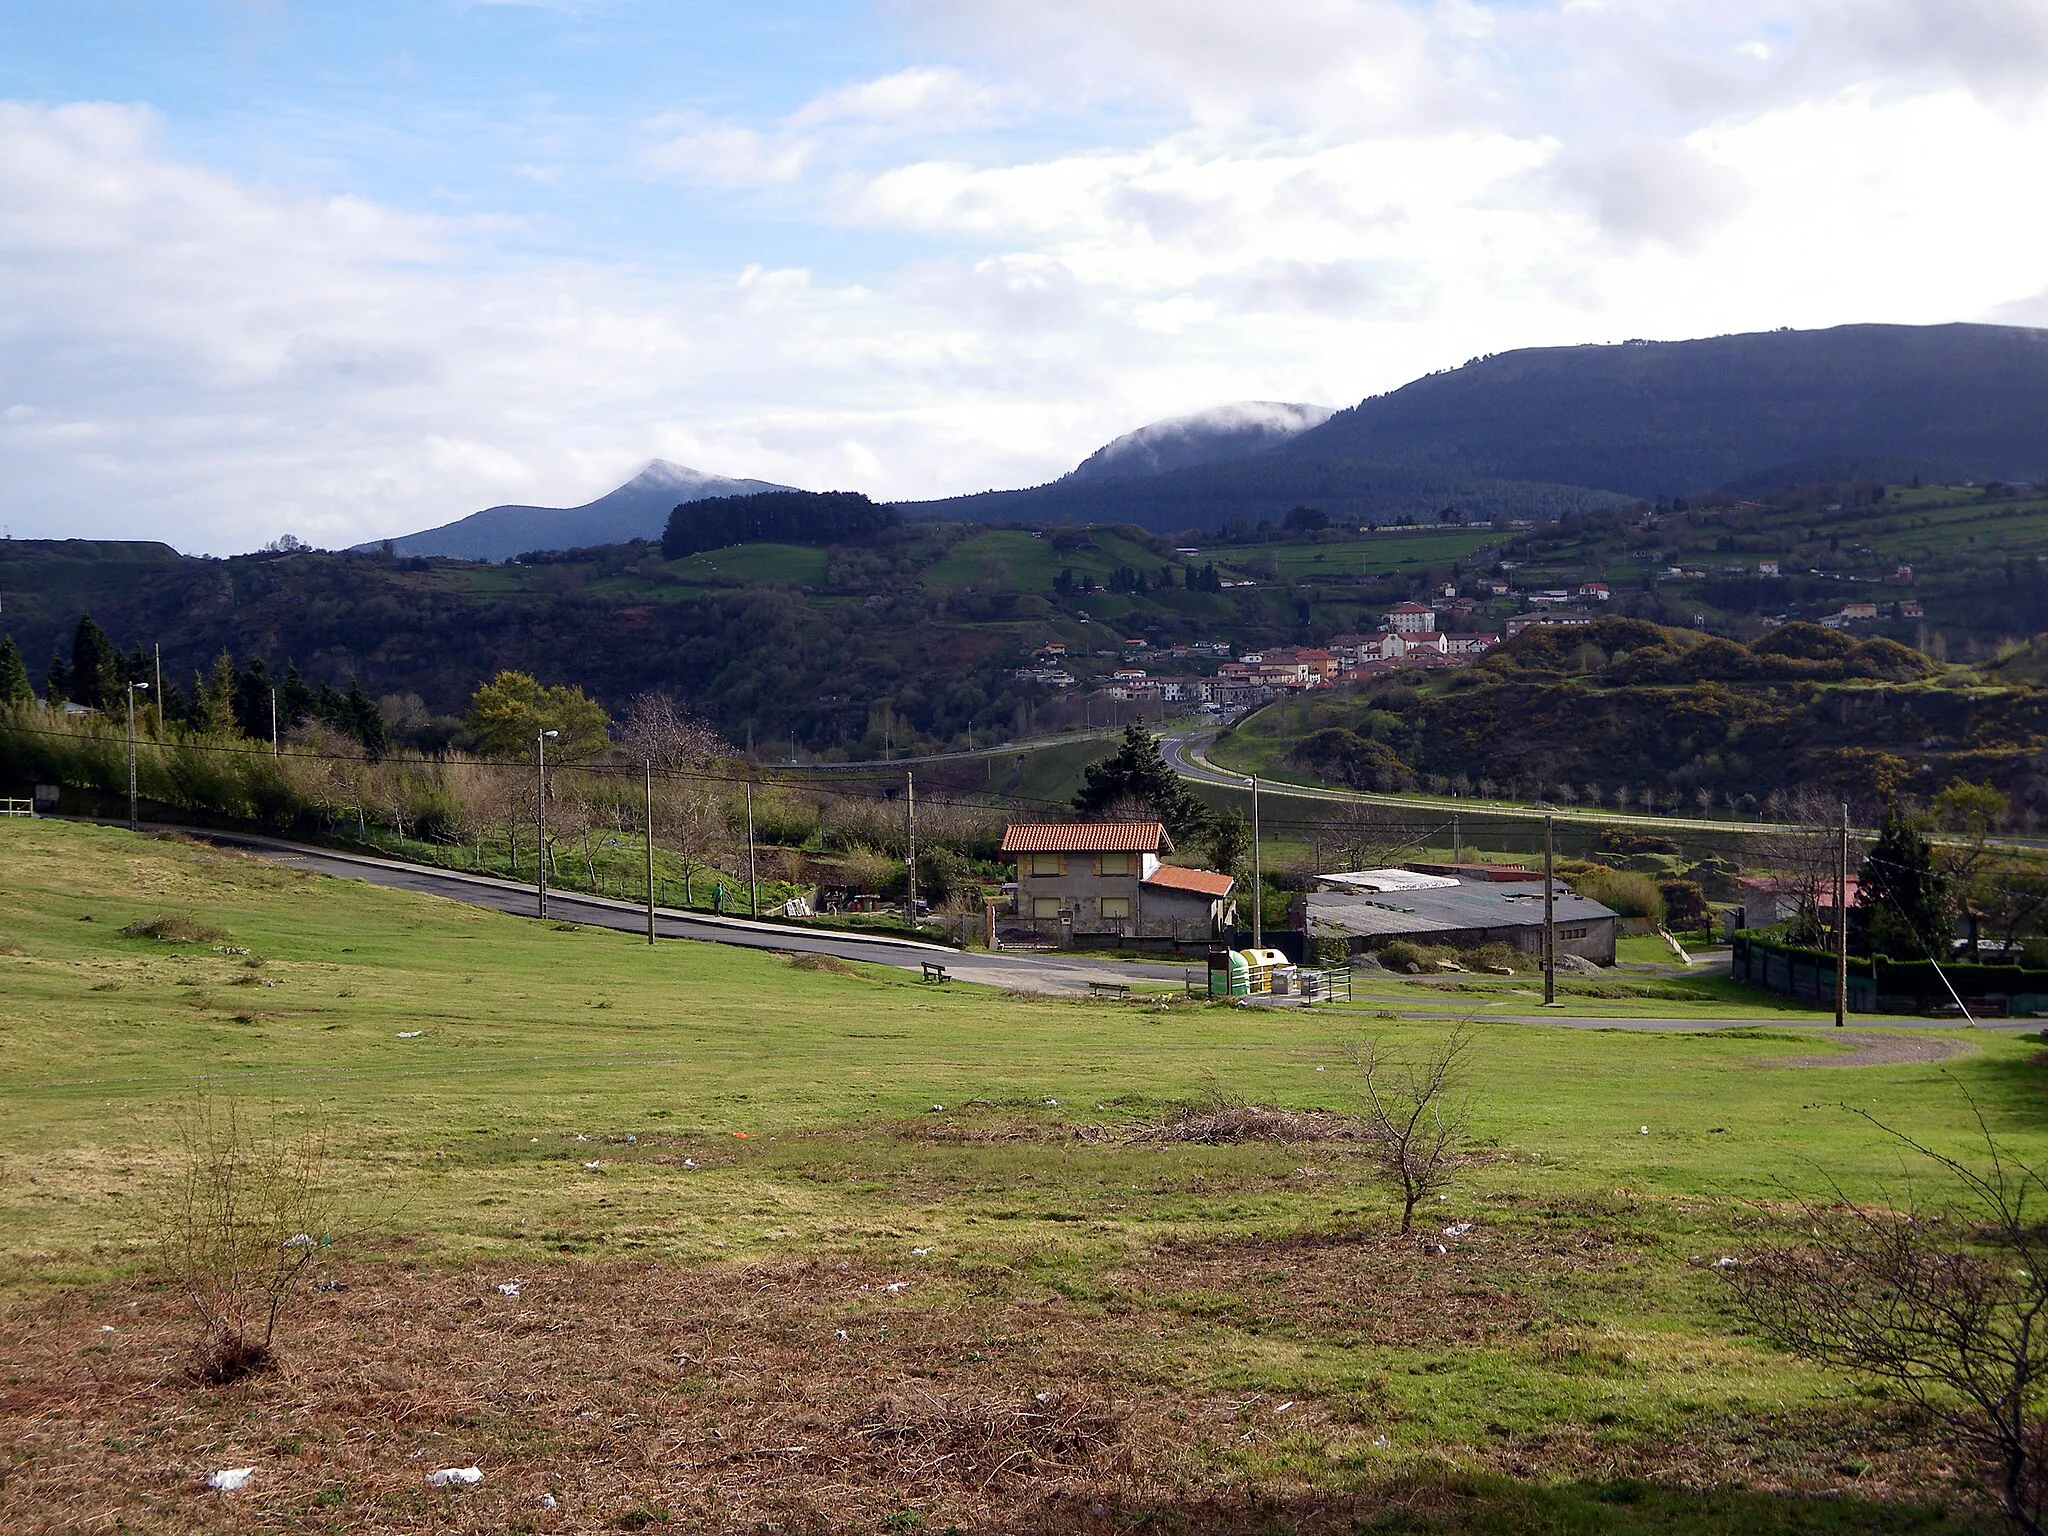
(703, 1332)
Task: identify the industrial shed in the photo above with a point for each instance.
(1463, 917)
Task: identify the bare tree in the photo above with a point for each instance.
(1800, 860)
(1417, 1117)
(1948, 1305)
(660, 731)
(1367, 835)
(244, 1219)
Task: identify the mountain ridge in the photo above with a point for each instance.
(638, 509)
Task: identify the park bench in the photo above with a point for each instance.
(935, 971)
(1120, 989)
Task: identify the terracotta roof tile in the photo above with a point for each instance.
(1203, 882)
(1086, 837)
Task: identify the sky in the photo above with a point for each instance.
(347, 270)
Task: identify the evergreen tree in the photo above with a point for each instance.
(57, 681)
(365, 723)
(95, 665)
(1138, 774)
(216, 711)
(14, 685)
(1902, 900)
(295, 701)
(252, 702)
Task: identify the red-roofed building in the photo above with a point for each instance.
(1104, 881)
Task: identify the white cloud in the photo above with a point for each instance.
(1311, 199)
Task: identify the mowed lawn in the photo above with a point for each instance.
(706, 1168)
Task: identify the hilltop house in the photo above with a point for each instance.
(1091, 882)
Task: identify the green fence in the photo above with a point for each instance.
(1885, 985)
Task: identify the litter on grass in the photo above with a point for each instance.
(410, 1034)
(1727, 1263)
(1436, 1248)
(329, 1287)
(301, 1240)
(455, 1477)
(509, 1288)
(894, 1286)
(840, 1333)
(593, 1165)
(547, 1501)
(1458, 1229)
(921, 1253)
(1646, 1130)
(228, 1479)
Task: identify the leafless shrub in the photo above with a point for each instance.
(245, 1218)
(1948, 1304)
(660, 731)
(830, 964)
(1417, 1116)
(1223, 1119)
(174, 928)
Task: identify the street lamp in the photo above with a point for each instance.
(133, 825)
(540, 819)
(1258, 872)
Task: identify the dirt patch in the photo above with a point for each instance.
(1875, 1050)
(176, 928)
(1228, 1121)
(800, 1398)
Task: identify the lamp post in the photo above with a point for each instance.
(1258, 873)
(133, 824)
(540, 819)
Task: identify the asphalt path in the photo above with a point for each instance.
(1054, 975)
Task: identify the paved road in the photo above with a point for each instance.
(1056, 975)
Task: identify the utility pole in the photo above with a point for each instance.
(1549, 914)
(1457, 841)
(133, 824)
(649, 837)
(1258, 875)
(753, 885)
(1842, 923)
(540, 821)
(273, 722)
(910, 862)
(159, 688)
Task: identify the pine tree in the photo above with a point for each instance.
(1138, 774)
(95, 665)
(57, 681)
(217, 696)
(1902, 900)
(14, 684)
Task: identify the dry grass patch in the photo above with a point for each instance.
(175, 928)
(1223, 1120)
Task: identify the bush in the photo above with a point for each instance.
(244, 1220)
(174, 929)
(1628, 893)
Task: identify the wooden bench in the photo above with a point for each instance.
(935, 971)
(1118, 989)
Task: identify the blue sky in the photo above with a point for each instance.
(344, 271)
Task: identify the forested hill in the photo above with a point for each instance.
(1544, 430)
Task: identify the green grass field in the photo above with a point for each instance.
(1373, 554)
(704, 1166)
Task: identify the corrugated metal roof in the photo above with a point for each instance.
(1203, 882)
(1446, 910)
(1086, 837)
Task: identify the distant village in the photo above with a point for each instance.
(1412, 635)
(1440, 633)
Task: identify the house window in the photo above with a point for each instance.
(1045, 864)
(1045, 906)
(1116, 906)
(1571, 933)
(1116, 864)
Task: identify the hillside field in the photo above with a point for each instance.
(833, 1250)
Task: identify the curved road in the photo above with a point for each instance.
(1056, 975)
